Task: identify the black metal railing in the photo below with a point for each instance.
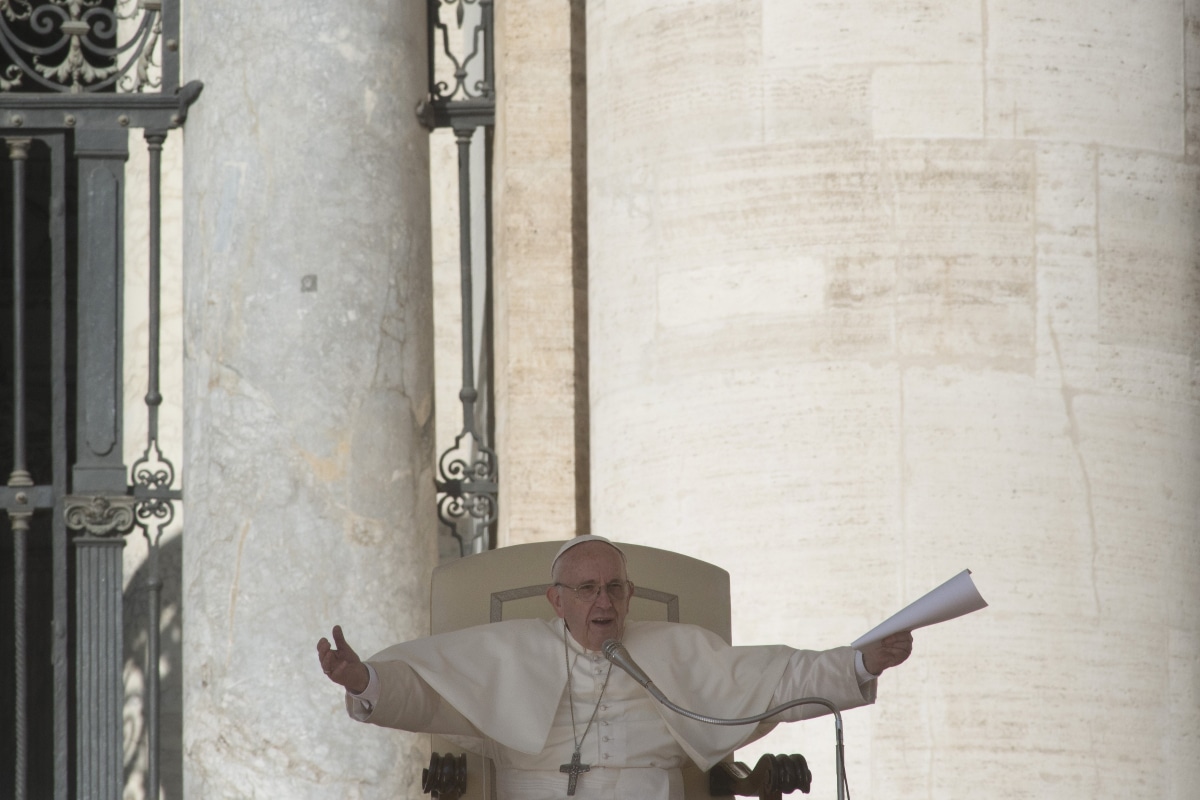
(465, 101)
(19, 479)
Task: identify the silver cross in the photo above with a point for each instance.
(574, 769)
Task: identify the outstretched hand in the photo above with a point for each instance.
(890, 652)
(342, 665)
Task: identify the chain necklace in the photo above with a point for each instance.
(575, 768)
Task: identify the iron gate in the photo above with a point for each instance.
(76, 79)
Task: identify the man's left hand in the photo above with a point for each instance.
(892, 651)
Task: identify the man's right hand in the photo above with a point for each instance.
(342, 665)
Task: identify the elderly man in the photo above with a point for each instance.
(539, 698)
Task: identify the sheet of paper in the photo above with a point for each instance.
(953, 598)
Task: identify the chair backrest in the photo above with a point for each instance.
(510, 583)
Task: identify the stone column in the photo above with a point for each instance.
(308, 449)
(882, 291)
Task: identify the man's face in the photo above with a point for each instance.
(591, 622)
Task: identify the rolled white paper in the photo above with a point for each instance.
(953, 598)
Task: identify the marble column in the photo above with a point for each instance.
(308, 369)
(879, 292)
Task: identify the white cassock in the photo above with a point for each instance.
(500, 690)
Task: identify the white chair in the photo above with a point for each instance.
(511, 582)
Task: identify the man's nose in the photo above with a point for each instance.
(603, 598)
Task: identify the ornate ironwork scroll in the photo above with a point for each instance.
(99, 515)
(153, 490)
(467, 482)
(466, 97)
(92, 64)
(82, 45)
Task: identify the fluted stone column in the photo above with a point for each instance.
(308, 468)
(879, 292)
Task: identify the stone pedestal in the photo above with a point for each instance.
(879, 292)
(308, 339)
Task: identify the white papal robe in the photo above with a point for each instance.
(500, 690)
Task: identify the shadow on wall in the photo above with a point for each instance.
(170, 703)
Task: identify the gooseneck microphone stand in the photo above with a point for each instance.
(615, 652)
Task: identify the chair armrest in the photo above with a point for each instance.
(446, 776)
(771, 778)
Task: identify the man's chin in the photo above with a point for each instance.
(598, 635)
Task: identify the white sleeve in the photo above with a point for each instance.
(397, 697)
(860, 669)
(361, 705)
(834, 675)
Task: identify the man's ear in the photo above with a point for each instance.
(554, 596)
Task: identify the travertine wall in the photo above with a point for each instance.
(308, 384)
(539, 259)
(882, 291)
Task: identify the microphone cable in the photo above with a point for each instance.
(616, 652)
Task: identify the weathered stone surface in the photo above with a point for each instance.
(309, 437)
(873, 32)
(540, 264)
(1191, 79)
(1147, 215)
(935, 308)
(902, 104)
(1117, 80)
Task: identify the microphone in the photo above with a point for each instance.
(615, 652)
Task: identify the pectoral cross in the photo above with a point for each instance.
(574, 769)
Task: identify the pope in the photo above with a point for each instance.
(539, 698)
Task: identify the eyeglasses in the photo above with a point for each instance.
(587, 592)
